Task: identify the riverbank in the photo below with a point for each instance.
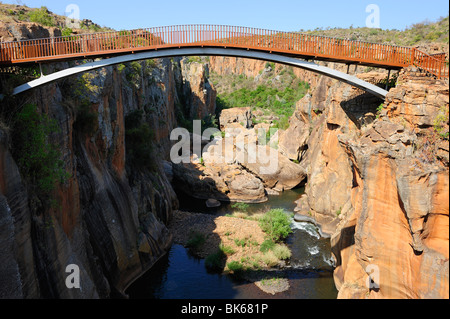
(234, 246)
(182, 273)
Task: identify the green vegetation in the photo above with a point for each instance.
(227, 250)
(280, 102)
(280, 251)
(10, 13)
(196, 239)
(270, 282)
(40, 160)
(270, 65)
(245, 242)
(440, 123)
(215, 262)
(150, 65)
(192, 59)
(276, 224)
(418, 33)
(139, 138)
(254, 254)
(42, 16)
(379, 110)
(134, 73)
(267, 245)
(85, 86)
(430, 139)
(93, 28)
(236, 267)
(240, 206)
(210, 121)
(65, 32)
(121, 67)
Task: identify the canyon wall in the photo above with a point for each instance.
(377, 176)
(109, 216)
(378, 185)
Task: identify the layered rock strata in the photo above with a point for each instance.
(377, 184)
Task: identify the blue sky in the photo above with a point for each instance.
(283, 15)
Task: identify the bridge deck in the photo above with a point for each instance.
(290, 44)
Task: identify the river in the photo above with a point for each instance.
(179, 275)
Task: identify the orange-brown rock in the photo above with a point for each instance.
(389, 230)
(386, 208)
(417, 99)
(109, 218)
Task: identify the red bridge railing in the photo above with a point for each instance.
(287, 43)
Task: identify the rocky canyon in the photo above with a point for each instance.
(375, 172)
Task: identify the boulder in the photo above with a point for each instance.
(274, 169)
(239, 115)
(219, 182)
(212, 203)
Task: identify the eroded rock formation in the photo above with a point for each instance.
(377, 187)
(109, 217)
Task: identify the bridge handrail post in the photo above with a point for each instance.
(413, 56)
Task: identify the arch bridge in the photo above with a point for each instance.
(282, 47)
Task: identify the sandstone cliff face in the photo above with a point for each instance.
(109, 217)
(110, 220)
(199, 93)
(258, 70)
(254, 69)
(369, 185)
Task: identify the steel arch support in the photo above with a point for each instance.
(243, 53)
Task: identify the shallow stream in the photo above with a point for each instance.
(179, 275)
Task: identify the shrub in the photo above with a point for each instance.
(270, 65)
(210, 121)
(121, 67)
(39, 159)
(267, 245)
(227, 250)
(276, 224)
(236, 267)
(269, 259)
(134, 73)
(282, 252)
(192, 59)
(138, 139)
(195, 240)
(380, 109)
(440, 123)
(66, 32)
(240, 242)
(240, 206)
(42, 16)
(215, 261)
